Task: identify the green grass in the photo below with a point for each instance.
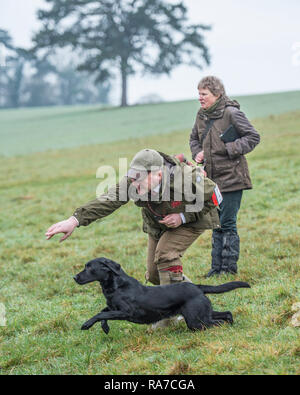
(35, 130)
(45, 307)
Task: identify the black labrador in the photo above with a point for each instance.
(127, 299)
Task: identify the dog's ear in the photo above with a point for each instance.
(113, 266)
(116, 270)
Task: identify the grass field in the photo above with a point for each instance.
(41, 129)
(45, 307)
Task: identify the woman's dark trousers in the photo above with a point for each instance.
(226, 241)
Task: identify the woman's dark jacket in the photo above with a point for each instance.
(224, 163)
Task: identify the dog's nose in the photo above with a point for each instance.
(75, 277)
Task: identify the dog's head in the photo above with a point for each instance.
(99, 269)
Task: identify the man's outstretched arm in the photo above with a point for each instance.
(98, 208)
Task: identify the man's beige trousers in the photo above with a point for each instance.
(164, 255)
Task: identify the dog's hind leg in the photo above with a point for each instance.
(197, 316)
(223, 316)
(200, 316)
(195, 323)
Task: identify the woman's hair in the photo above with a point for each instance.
(213, 84)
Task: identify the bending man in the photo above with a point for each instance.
(178, 204)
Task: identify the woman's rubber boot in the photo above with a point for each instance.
(230, 252)
(216, 253)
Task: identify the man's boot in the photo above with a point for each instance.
(230, 252)
(216, 253)
(185, 279)
(168, 277)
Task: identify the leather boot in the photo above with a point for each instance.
(186, 279)
(166, 277)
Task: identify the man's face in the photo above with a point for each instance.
(148, 183)
(206, 98)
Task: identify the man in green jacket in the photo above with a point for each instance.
(178, 204)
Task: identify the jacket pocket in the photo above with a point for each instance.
(244, 171)
(224, 162)
(228, 173)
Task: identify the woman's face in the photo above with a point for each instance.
(206, 98)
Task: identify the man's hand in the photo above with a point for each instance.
(203, 171)
(200, 157)
(67, 227)
(172, 221)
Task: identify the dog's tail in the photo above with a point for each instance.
(219, 289)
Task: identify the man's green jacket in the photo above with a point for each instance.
(183, 187)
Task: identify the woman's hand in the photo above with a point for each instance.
(200, 157)
(67, 227)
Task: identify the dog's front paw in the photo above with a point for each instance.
(87, 325)
(105, 327)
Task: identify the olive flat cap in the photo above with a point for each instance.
(144, 161)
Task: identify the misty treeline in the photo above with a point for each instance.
(84, 46)
(52, 79)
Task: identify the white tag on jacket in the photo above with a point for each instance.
(218, 195)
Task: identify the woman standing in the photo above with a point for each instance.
(224, 163)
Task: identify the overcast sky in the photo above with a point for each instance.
(254, 46)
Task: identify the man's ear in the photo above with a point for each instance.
(160, 172)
